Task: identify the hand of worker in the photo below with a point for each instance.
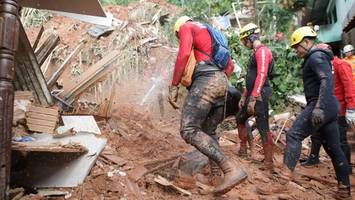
(251, 105)
(173, 96)
(241, 102)
(317, 116)
(350, 117)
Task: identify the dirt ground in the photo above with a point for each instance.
(141, 132)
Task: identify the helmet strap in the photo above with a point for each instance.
(253, 37)
(303, 47)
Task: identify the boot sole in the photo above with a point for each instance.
(227, 189)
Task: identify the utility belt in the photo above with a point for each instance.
(206, 66)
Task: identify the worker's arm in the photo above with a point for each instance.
(185, 47)
(322, 68)
(263, 58)
(346, 78)
(229, 68)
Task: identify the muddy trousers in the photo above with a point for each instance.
(261, 114)
(202, 111)
(343, 127)
(329, 135)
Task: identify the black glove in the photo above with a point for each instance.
(317, 116)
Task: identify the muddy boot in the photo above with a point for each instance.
(216, 174)
(233, 175)
(269, 153)
(343, 192)
(312, 160)
(243, 136)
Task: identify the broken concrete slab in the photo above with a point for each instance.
(45, 170)
(85, 124)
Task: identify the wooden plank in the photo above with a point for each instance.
(38, 38)
(27, 95)
(51, 81)
(41, 122)
(30, 72)
(47, 111)
(53, 149)
(46, 48)
(41, 129)
(35, 115)
(90, 74)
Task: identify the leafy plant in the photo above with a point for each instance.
(117, 2)
(34, 17)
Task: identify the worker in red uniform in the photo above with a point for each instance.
(344, 91)
(255, 99)
(203, 108)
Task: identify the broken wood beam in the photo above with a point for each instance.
(46, 148)
(46, 48)
(28, 75)
(34, 47)
(91, 76)
(51, 81)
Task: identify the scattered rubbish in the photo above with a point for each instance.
(116, 172)
(52, 193)
(64, 131)
(23, 139)
(85, 124)
(114, 159)
(98, 31)
(163, 181)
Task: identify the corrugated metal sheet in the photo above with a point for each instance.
(28, 75)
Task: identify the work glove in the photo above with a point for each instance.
(173, 96)
(317, 116)
(251, 105)
(241, 102)
(350, 117)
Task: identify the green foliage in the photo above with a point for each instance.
(201, 10)
(34, 17)
(117, 2)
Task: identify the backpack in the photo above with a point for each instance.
(220, 52)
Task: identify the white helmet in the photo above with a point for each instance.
(348, 48)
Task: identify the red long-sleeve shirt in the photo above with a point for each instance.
(344, 89)
(258, 71)
(194, 35)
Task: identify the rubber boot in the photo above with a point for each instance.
(343, 192)
(269, 153)
(243, 136)
(312, 160)
(233, 175)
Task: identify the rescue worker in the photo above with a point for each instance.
(348, 50)
(320, 113)
(344, 90)
(256, 95)
(203, 108)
